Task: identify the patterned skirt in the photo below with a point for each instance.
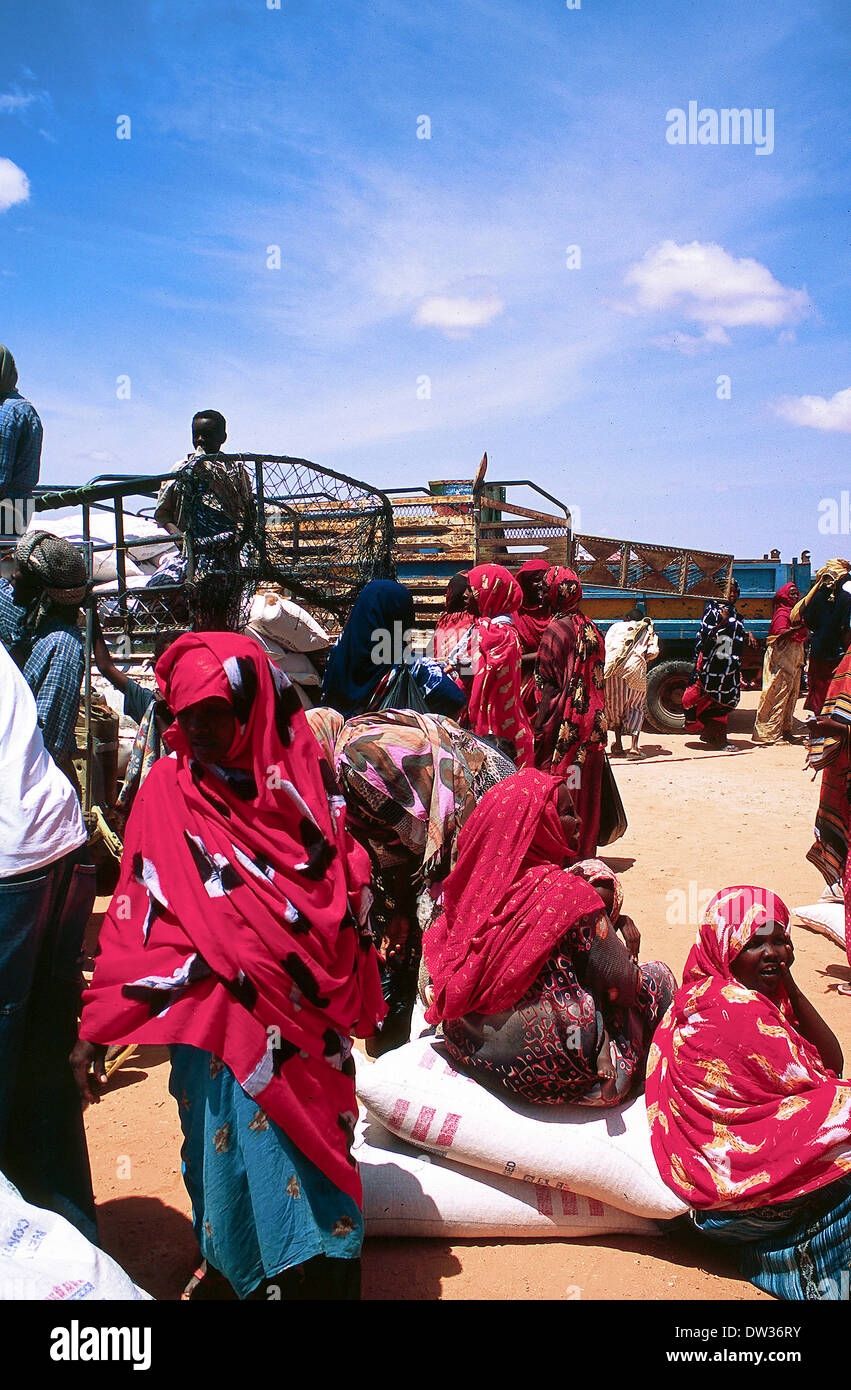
(798, 1251)
(259, 1206)
(625, 706)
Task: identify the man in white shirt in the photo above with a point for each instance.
(47, 891)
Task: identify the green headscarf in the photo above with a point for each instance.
(8, 373)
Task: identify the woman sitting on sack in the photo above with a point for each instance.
(749, 1121)
(535, 990)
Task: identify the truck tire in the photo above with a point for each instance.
(665, 685)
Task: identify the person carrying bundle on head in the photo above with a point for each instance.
(629, 646)
(826, 613)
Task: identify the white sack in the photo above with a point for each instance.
(826, 918)
(137, 530)
(44, 1258)
(288, 623)
(409, 1193)
(602, 1153)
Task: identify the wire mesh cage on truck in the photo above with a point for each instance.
(319, 534)
(242, 522)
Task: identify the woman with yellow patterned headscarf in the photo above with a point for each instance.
(750, 1122)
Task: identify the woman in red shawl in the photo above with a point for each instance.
(570, 730)
(238, 935)
(454, 631)
(749, 1121)
(454, 622)
(535, 990)
(495, 708)
(530, 620)
(781, 672)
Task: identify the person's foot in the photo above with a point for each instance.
(207, 1284)
(616, 750)
(635, 753)
(790, 737)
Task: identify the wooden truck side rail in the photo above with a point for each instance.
(456, 524)
(639, 565)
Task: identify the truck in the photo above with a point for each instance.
(677, 625)
(454, 524)
(320, 536)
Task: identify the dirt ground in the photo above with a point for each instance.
(697, 821)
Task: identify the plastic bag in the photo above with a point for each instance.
(403, 692)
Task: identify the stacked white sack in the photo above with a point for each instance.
(416, 1093)
(409, 1193)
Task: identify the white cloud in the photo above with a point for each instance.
(13, 102)
(458, 315)
(704, 284)
(14, 185)
(818, 412)
(693, 345)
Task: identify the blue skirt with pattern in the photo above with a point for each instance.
(259, 1206)
(799, 1250)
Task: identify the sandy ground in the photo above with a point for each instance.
(697, 821)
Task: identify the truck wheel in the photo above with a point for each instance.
(665, 685)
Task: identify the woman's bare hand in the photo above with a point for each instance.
(88, 1055)
(630, 933)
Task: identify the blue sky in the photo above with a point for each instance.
(403, 258)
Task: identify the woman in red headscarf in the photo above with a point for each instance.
(781, 672)
(749, 1121)
(531, 620)
(535, 990)
(495, 708)
(454, 622)
(570, 730)
(238, 934)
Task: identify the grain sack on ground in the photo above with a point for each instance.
(415, 1092)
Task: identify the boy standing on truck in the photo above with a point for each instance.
(210, 501)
